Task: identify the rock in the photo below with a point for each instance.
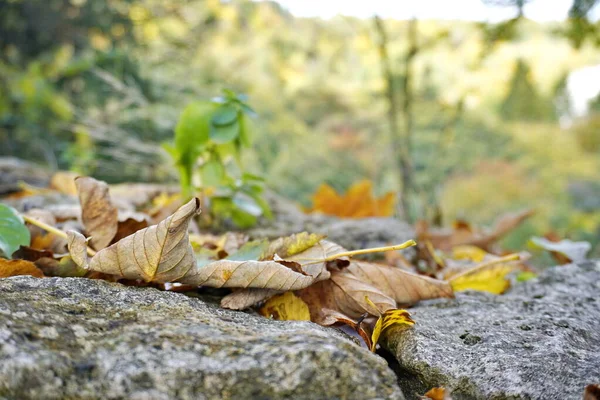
(80, 338)
(14, 170)
(351, 233)
(539, 341)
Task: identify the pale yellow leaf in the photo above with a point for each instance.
(390, 320)
(286, 307)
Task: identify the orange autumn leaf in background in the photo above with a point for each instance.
(357, 202)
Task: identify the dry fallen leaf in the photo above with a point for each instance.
(99, 216)
(592, 392)
(487, 277)
(436, 393)
(18, 267)
(404, 287)
(358, 202)
(344, 293)
(312, 252)
(286, 307)
(291, 245)
(464, 234)
(64, 182)
(162, 253)
(390, 320)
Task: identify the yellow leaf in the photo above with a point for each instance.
(286, 307)
(64, 182)
(389, 320)
(468, 252)
(358, 202)
(486, 277)
(18, 267)
(291, 245)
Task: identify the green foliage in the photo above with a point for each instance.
(523, 101)
(209, 139)
(13, 232)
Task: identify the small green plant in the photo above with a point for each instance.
(209, 139)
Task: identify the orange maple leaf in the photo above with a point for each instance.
(357, 202)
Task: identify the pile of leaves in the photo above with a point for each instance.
(299, 277)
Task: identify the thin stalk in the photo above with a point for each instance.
(404, 245)
(508, 258)
(53, 230)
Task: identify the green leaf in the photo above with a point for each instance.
(245, 131)
(224, 133)
(250, 251)
(225, 115)
(243, 219)
(212, 173)
(192, 130)
(247, 204)
(13, 232)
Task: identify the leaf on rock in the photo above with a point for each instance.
(404, 287)
(346, 294)
(357, 202)
(99, 216)
(162, 253)
(18, 267)
(486, 277)
(290, 245)
(286, 307)
(436, 393)
(573, 251)
(13, 232)
(390, 320)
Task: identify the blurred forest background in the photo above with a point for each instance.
(473, 119)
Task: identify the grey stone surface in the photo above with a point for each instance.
(539, 341)
(351, 233)
(14, 170)
(89, 339)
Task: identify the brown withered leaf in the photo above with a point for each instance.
(130, 223)
(346, 294)
(18, 267)
(162, 253)
(464, 234)
(404, 287)
(99, 216)
(308, 260)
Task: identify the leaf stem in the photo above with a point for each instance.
(508, 258)
(53, 230)
(401, 246)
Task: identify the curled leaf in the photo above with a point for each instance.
(163, 253)
(98, 215)
(388, 321)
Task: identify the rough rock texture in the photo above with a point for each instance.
(540, 341)
(89, 339)
(351, 233)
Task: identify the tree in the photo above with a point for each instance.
(523, 102)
